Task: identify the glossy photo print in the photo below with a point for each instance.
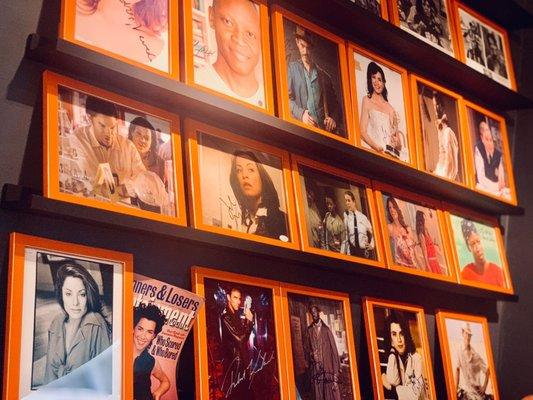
(141, 32)
(428, 20)
(382, 106)
(399, 351)
(467, 357)
(337, 213)
(106, 154)
(322, 347)
(485, 47)
(479, 251)
(71, 319)
(226, 45)
(440, 130)
(238, 341)
(489, 154)
(414, 236)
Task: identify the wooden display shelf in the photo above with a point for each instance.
(122, 78)
(21, 199)
(353, 23)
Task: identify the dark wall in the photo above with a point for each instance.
(169, 259)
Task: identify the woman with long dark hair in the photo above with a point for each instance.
(430, 251)
(400, 235)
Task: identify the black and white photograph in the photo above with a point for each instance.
(374, 6)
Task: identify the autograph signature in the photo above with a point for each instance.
(234, 376)
(199, 48)
(233, 209)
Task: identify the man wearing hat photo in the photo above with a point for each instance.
(313, 99)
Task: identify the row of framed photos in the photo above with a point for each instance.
(347, 93)
(105, 151)
(227, 44)
(254, 339)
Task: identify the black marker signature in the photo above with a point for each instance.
(234, 376)
(199, 49)
(233, 209)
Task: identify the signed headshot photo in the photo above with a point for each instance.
(488, 153)
(227, 48)
(441, 133)
(467, 356)
(485, 47)
(337, 214)
(242, 189)
(381, 107)
(320, 349)
(314, 79)
(479, 252)
(241, 341)
(428, 20)
(137, 30)
(400, 353)
(414, 236)
(112, 154)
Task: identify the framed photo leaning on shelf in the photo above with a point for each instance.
(227, 50)
(467, 356)
(414, 233)
(477, 246)
(382, 110)
(398, 349)
(143, 33)
(238, 337)
(429, 20)
(240, 187)
(106, 151)
(484, 46)
(336, 213)
(312, 85)
(441, 148)
(68, 309)
(488, 153)
(320, 345)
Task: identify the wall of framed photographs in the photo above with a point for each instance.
(23, 156)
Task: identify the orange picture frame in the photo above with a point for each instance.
(415, 81)
(198, 277)
(278, 14)
(325, 295)
(195, 27)
(22, 308)
(143, 39)
(480, 326)
(355, 88)
(334, 173)
(373, 340)
(470, 145)
(192, 130)
(412, 246)
(52, 144)
(482, 22)
(458, 247)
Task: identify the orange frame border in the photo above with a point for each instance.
(15, 293)
(394, 18)
(451, 386)
(192, 128)
(417, 199)
(51, 82)
(505, 38)
(67, 32)
(198, 274)
(506, 152)
(284, 111)
(326, 294)
(410, 134)
(371, 338)
(188, 67)
(415, 80)
(300, 207)
(486, 220)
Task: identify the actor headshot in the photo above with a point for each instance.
(232, 63)
(313, 75)
(494, 52)
(359, 240)
(148, 321)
